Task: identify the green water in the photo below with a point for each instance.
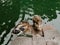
(11, 9)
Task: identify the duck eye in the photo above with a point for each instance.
(22, 29)
(35, 22)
